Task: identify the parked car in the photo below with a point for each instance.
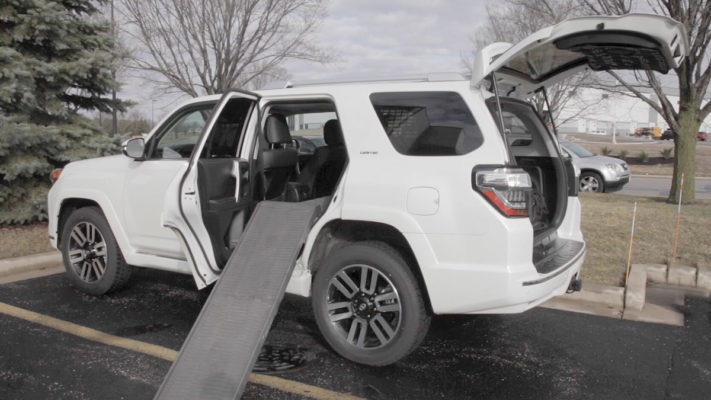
(597, 173)
(431, 206)
(668, 135)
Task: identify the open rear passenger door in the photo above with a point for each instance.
(208, 204)
(633, 41)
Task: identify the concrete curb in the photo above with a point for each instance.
(672, 274)
(594, 298)
(10, 266)
(637, 302)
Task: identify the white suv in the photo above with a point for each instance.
(432, 207)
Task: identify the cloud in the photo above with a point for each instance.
(392, 38)
(372, 39)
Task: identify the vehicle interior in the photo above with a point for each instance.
(534, 150)
(300, 155)
(303, 153)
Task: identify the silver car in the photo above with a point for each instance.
(597, 173)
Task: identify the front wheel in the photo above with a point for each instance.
(368, 305)
(591, 182)
(92, 258)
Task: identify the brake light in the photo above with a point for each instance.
(508, 189)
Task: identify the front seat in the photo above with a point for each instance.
(323, 170)
(278, 161)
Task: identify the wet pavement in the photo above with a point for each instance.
(540, 354)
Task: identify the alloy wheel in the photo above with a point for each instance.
(589, 184)
(87, 252)
(364, 306)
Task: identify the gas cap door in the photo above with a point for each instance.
(423, 200)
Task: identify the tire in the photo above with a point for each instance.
(591, 182)
(92, 258)
(372, 324)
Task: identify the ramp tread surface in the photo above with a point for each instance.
(218, 355)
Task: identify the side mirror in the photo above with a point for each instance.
(134, 148)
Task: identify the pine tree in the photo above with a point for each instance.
(56, 59)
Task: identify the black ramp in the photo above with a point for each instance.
(222, 347)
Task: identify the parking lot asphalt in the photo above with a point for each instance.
(538, 354)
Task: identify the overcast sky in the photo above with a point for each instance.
(373, 38)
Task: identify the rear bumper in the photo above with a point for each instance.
(528, 292)
(488, 289)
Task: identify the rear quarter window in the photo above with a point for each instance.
(427, 123)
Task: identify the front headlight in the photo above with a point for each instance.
(614, 167)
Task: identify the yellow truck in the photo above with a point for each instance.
(654, 131)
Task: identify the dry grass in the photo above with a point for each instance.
(653, 148)
(607, 219)
(24, 240)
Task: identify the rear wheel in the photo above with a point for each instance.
(368, 305)
(591, 182)
(92, 258)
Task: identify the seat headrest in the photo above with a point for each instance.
(276, 130)
(332, 133)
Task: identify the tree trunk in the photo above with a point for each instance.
(685, 155)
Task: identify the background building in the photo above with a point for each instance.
(601, 112)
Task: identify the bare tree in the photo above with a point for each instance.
(608, 7)
(209, 46)
(512, 21)
(693, 77)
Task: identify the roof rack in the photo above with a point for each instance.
(431, 77)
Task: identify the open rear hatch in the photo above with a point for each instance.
(629, 42)
(516, 72)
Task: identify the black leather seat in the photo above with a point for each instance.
(323, 170)
(278, 161)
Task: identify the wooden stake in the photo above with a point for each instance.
(629, 256)
(678, 220)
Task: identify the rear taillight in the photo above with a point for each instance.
(508, 189)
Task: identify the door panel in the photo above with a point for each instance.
(145, 187)
(146, 183)
(203, 206)
(220, 206)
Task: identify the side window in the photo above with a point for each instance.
(427, 123)
(307, 129)
(179, 138)
(225, 135)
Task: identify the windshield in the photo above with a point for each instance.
(577, 149)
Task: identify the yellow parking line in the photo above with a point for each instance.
(165, 353)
